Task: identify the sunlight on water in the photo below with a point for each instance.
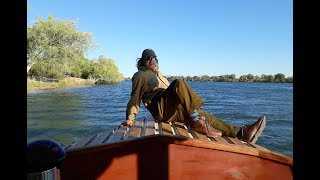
(67, 115)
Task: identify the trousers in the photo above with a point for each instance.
(178, 101)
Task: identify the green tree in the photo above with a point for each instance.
(250, 77)
(264, 78)
(106, 71)
(279, 77)
(54, 47)
(289, 79)
(270, 78)
(243, 78)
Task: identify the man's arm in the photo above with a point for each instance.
(133, 105)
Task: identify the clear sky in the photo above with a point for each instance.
(190, 37)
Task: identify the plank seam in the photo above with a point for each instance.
(114, 130)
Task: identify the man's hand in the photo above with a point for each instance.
(127, 123)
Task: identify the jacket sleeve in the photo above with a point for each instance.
(137, 91)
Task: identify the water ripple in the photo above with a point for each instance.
(70, 114)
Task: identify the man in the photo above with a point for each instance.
(178, 102)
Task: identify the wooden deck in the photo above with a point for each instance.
(158, 150)
(147, 126)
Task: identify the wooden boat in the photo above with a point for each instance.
(158, 150)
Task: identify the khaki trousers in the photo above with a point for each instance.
(178, 101)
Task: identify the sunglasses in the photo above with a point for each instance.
(153, 57)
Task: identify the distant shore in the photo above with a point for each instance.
(34, 85)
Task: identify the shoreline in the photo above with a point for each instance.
(35, 85)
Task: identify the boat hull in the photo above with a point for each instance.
(170, 157)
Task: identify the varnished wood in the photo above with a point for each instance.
(117, 135)
(101, 138)
(166, 129)
(201, 136)
(220, 139)
(202, 163)
(136, 130)
(175, 158)
(147, 126)
(205, 144)
(150, 128)
(257, 146)
(181, 130)
(83, 142)
(150, 148)
(235, 141)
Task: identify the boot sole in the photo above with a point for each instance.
(260, 130)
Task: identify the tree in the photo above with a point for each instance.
(279, 77)
(54, 47)
(250, 77)
(243, 78)
(106, 71)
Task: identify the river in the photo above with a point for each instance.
(69, 114)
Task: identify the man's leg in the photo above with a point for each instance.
(179, 103)
(177, 97)
(225, 128)
(247, 133)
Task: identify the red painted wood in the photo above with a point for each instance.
(160, 157)
(194, 163)
(133, 160)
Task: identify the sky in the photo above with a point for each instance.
(190, 37)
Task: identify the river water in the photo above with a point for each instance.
(69, 114)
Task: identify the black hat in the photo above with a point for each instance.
(148, 53)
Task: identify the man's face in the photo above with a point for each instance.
(152, 65)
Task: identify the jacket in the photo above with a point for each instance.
(145, 85)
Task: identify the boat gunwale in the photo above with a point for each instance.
(158, 138)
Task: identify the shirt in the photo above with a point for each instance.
(145, 85)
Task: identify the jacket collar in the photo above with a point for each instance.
(142, 68)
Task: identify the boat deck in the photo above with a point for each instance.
(165, 150)
(147, 126)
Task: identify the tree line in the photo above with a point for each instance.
(55, 49)
(277, 78)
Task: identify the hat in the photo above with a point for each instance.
(148, 53)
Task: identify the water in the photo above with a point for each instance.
(70, 114)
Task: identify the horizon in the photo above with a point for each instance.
(237, 77)
(206, 37)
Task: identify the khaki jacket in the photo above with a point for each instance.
(145, 84)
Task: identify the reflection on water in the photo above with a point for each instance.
(67, 115)
(52, 113)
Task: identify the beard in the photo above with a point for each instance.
(154, 68)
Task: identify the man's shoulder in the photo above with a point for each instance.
(139, 75)
(142, 73)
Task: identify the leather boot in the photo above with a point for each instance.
(203, 127)
(250, 133)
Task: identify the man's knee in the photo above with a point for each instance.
(179, 81)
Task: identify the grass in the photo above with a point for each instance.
(33, 84)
